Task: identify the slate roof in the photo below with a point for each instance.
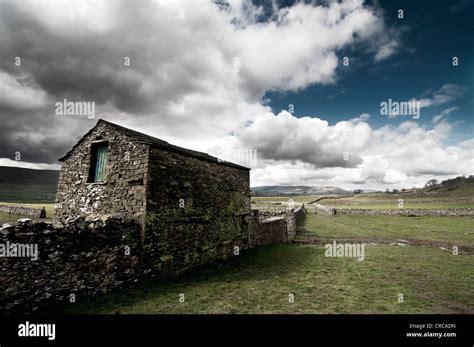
(155, 142)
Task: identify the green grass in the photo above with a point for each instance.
(460, 198)
(449, 230)
(432, 280)
(260, 281)
(437, 197)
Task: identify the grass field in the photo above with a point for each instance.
(276, 203)
(440, 197)
(443, 230)
(431, 279)
(379, 200)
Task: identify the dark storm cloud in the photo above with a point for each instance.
(29, 135)
(77, 63)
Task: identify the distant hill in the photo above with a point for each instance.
(27, 185)
(297, 190)
(456, 186)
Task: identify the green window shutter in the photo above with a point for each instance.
(101, 163)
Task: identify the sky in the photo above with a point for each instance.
(301, 84)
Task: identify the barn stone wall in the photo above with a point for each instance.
(124, 190)
(197, 211)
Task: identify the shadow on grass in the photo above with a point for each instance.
(253, 265)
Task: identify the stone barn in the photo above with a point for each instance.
(134, 207)
(186, 202)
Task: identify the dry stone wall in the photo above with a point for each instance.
(79, 259)
(276, 228)
(271, 230)
(293, 220)
(408, 212)
(22, 211)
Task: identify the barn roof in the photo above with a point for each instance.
(155, 142)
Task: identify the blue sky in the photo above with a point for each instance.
(433, 32)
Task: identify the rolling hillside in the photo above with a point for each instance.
(456, 192)
(27, 185)
(297, 190)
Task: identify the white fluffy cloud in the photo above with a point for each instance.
(300, 48)
(308, 139)
(309, 151)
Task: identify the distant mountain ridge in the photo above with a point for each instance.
(27, 185)
(30, 185)
(298, 190)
